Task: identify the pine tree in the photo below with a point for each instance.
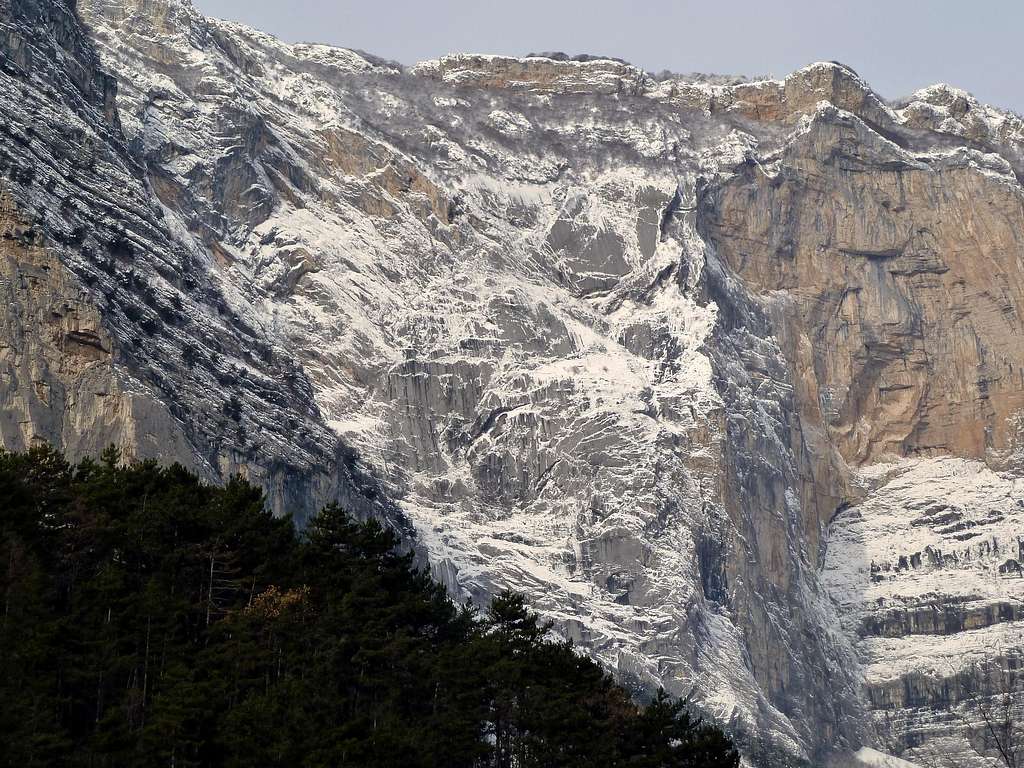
(151, 619)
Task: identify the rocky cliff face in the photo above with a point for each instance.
(117, 326)
(926, 571)
(685, 362)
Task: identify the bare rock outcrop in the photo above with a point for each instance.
(904, 273)
(635, 346)
(117, 330)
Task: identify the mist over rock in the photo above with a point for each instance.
(686, 360)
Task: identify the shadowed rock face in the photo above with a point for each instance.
(116, 327)
(639, 348)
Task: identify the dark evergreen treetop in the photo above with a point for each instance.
(151, 619)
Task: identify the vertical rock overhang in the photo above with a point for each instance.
(891, 264)
(903, 275)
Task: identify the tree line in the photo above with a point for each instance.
(151, 619)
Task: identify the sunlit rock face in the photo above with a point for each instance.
(902, 272)
(661, 353)
(938, 620)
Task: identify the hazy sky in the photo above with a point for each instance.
(897, 45)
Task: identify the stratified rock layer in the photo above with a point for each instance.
(634, 346)
(117, 323)
(927, 573)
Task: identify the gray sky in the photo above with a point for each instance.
(897, 45)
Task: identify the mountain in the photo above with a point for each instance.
(726, 376)
(151, 619)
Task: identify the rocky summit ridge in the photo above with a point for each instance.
(727, 377)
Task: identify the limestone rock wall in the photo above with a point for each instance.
(905, 273)
(116, 330)
(60, 384)
(647, 349)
